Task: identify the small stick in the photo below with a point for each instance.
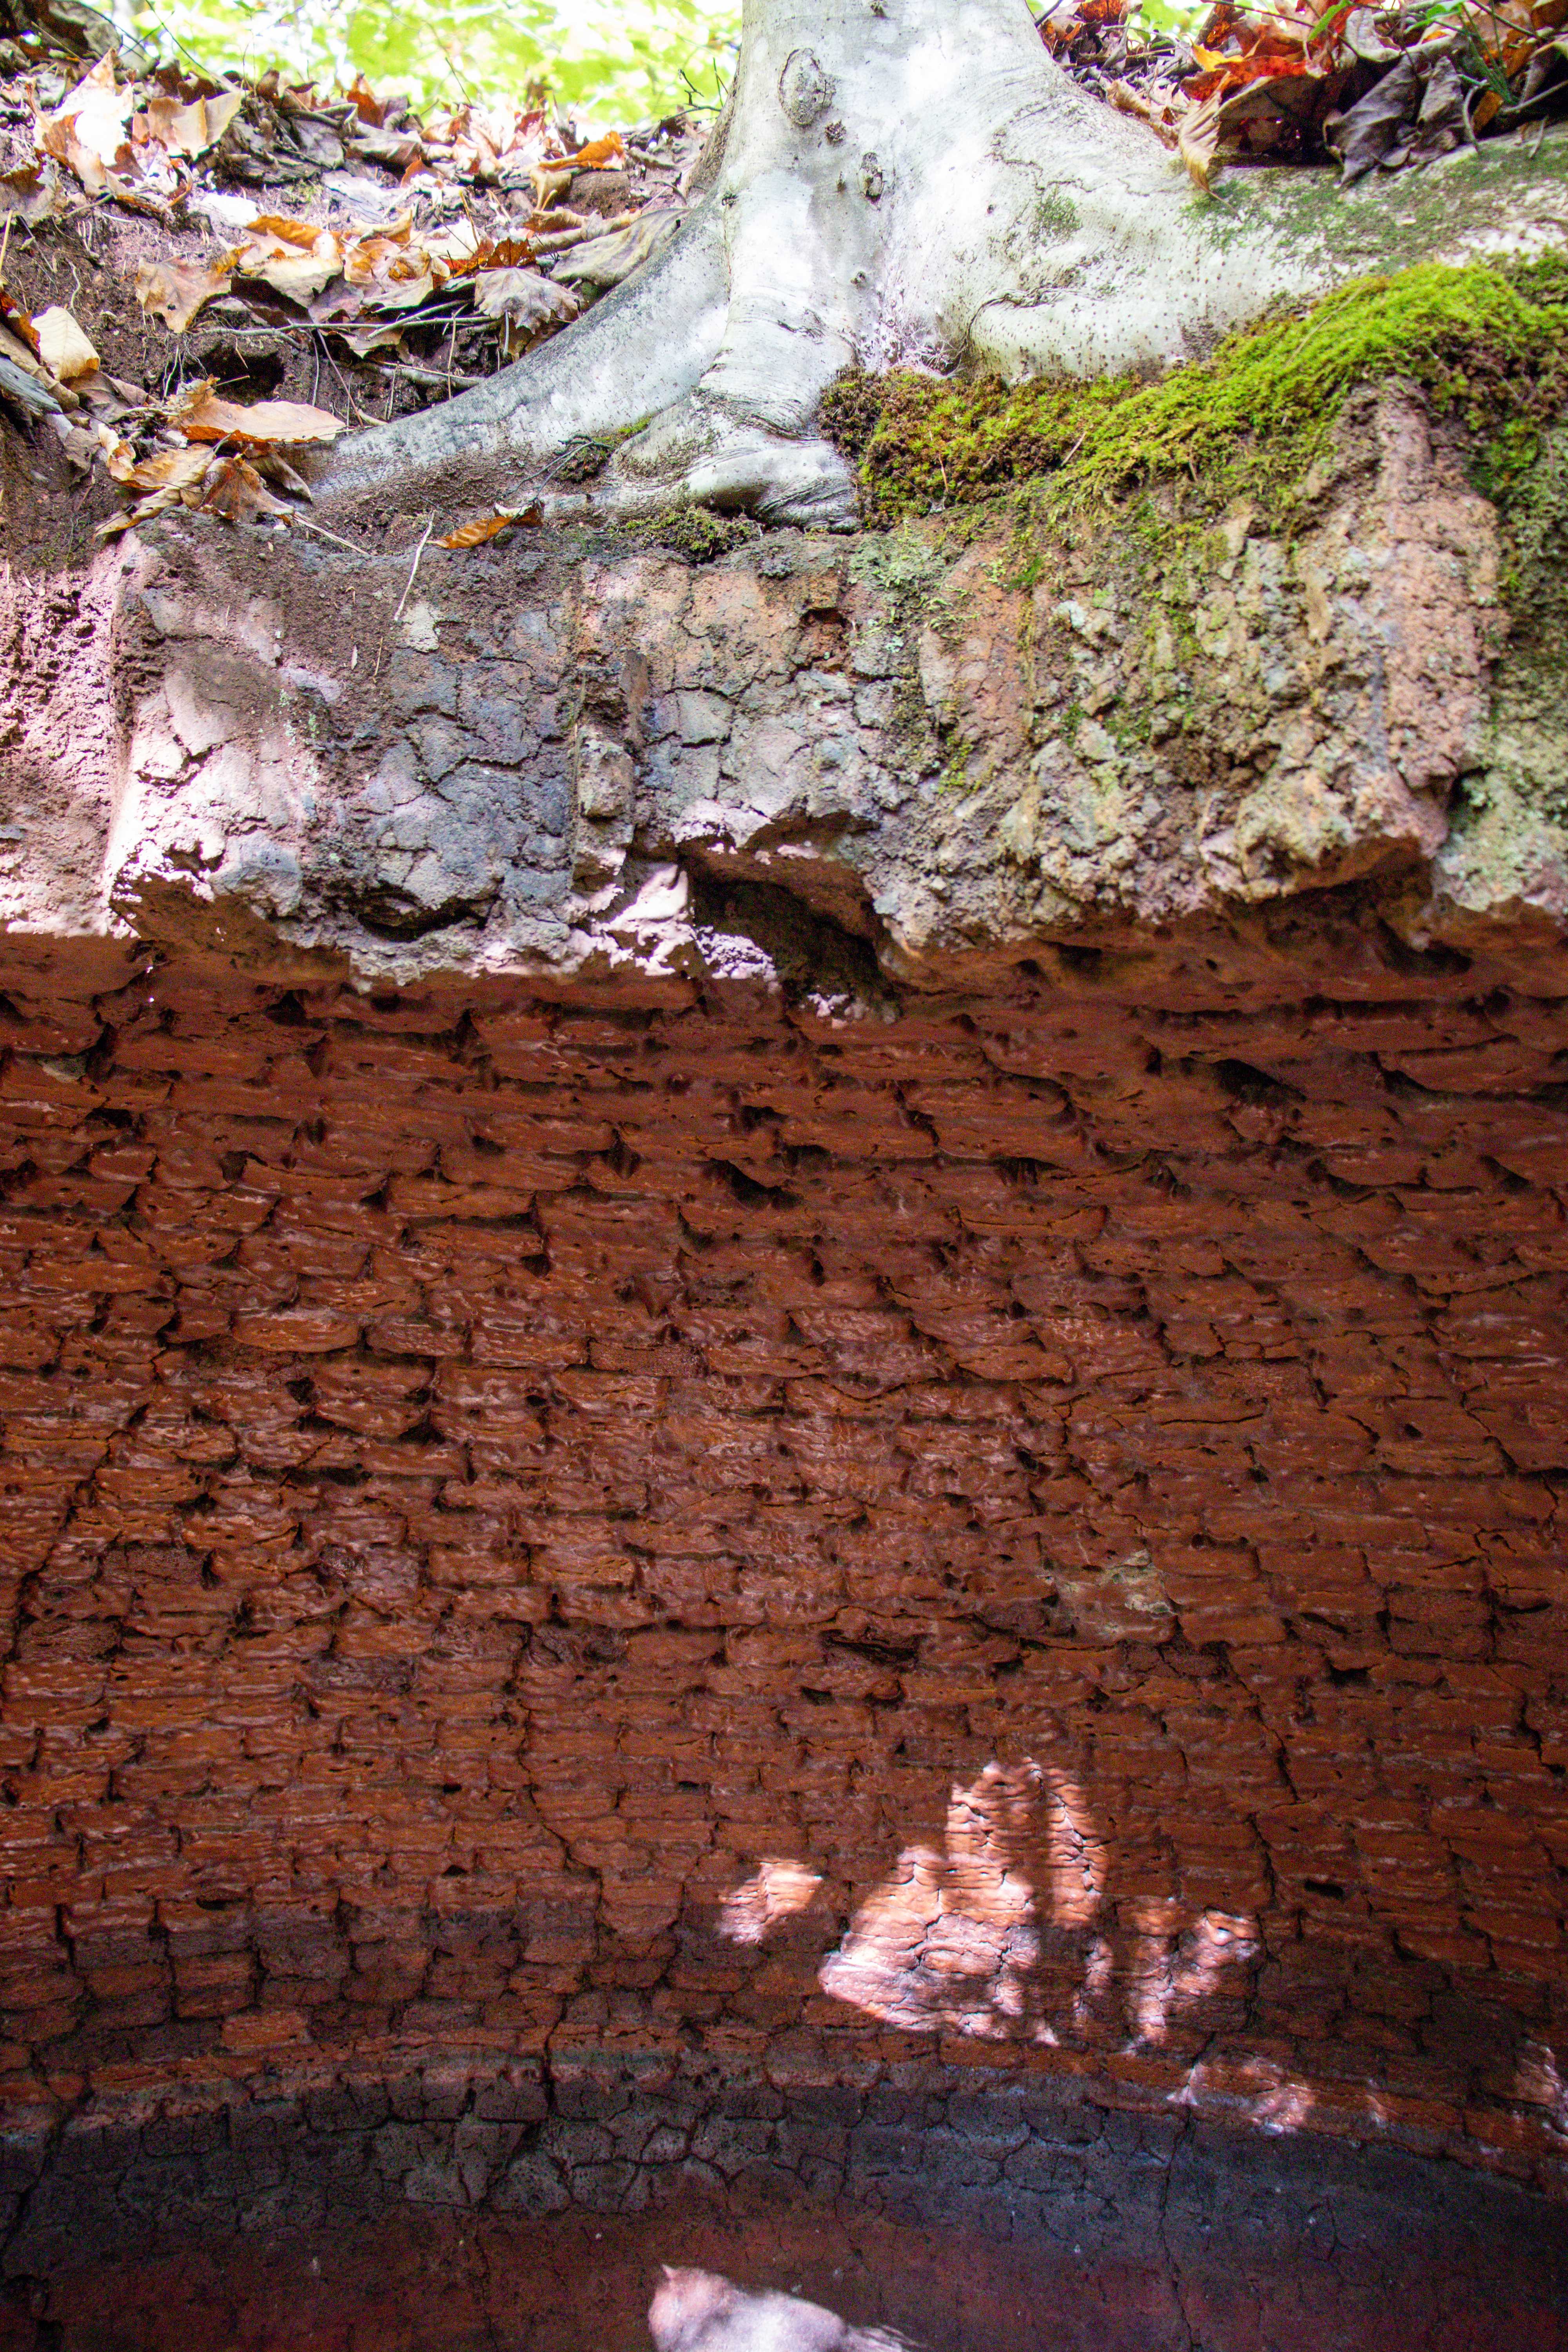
(413, 570)
(307, 524)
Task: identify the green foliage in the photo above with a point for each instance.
(1489, 341)
(622, 60)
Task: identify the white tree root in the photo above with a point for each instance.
(903, 181)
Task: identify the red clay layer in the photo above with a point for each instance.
(526, 1528)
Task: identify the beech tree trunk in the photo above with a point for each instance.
(898, 182)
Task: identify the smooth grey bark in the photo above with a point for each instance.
(904, 183)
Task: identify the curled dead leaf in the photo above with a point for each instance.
(553, 172)
(524, 299)
(33, 192)
(187, 128)
(233, 489)
(225, 485)
(79, 446)
(63, 348)
(17, 318)
(13, 348)
(608, 260)
(363, 343)
(296, 258)
(493, 252)
(88, 131)
(1197, 136)
(175, 291)
(170, 469)
(491, 526)
(201, 416)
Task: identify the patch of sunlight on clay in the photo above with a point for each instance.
(1538, 2079)
(778, 1890)
(1075, 1852)
(1007, 1932)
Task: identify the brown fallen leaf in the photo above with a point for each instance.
(63, 348)
(553, 172)
(13, 348)
(400, 150)
(296, 258)
(523, 299)
(175, 291)
(364, 342)
(201, 416)
(79, 446)
(187, 128)
(88, 129)
(170, 469)
(607, 261)
(138, 196)
(491, 253)
(1197, 136)
(33, 192)
(18, 321)
(392, 269)
(224, 485)
(233, 489)
(491, 526)
(287, 229)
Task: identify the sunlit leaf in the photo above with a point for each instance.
(491, 526)
(202, 416)
(175, 291)
(64, 349)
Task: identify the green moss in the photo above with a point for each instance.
(697, 533)
(1490, 343)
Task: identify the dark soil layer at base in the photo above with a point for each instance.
(1186, 2238)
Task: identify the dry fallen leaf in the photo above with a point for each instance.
(79, 446)
(233, 489)
(224, 485)
(555, 170)
(24, 356)
(187, 129)
(175, 291)
(17, 318)
(1198, 139)
(523, 299)
(491, 526)
(32, 193)
(294, 258)
(607, 261)
(366, 341)
(88, 129)
(171, 469)
(62, 346)
(201, 416)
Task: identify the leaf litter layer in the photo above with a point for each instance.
(1488, 344)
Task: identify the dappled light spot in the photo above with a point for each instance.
(1007, 1931)
(776, 1892)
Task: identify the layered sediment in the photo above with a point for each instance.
(782, 1380)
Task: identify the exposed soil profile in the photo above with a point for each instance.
(926, 1650)
(782, 1438)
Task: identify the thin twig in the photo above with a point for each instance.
(346, 393)
(413, 570)
(306, 523)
